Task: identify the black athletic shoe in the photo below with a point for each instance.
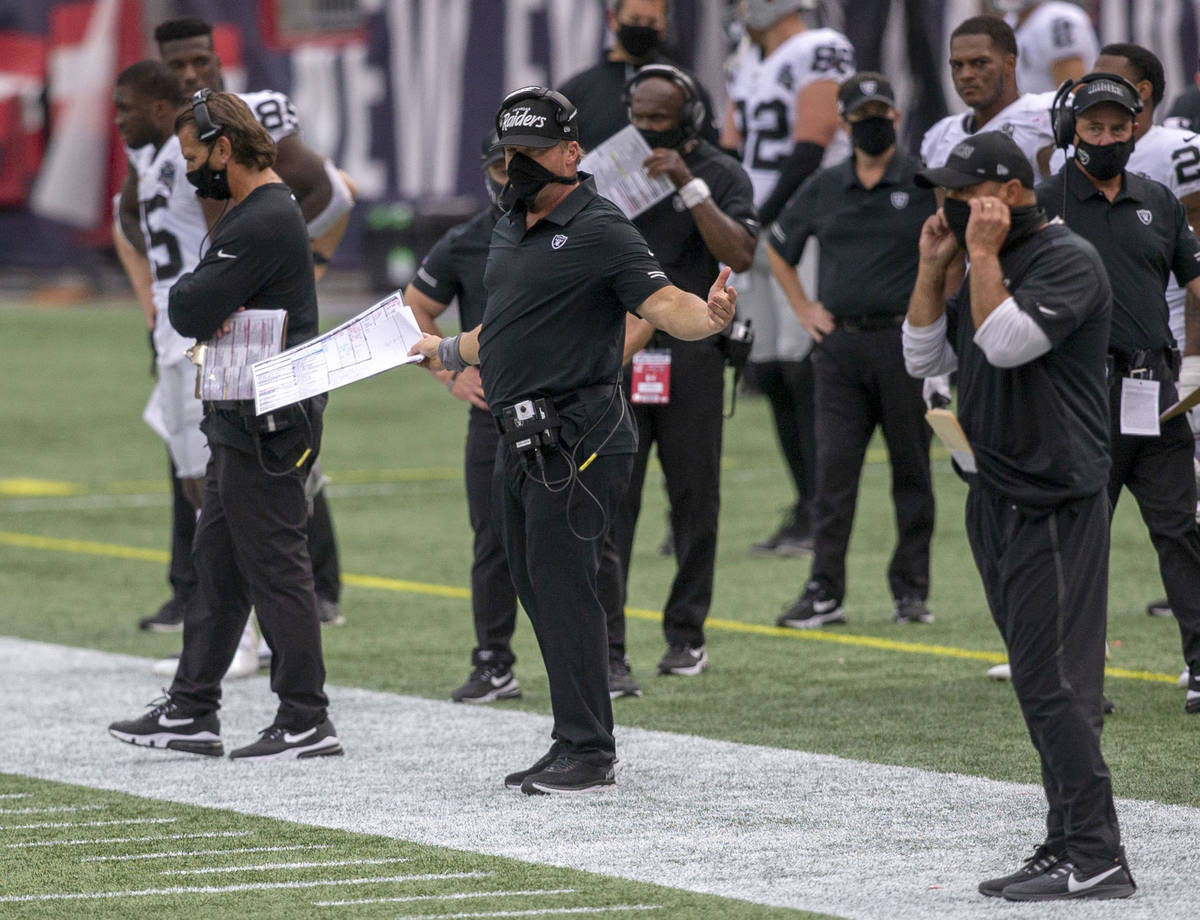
(168, 618)
(1192, 705)
(1159, 609)
(815, 608)
(684, 660)
(620, 679)
(793, 538)
(330, 612)
(1063, 883)
(514, 780)
(911, 610)
(277, 743)
(1041, 862)
(566, 775)
(488, 683)
(168, 726)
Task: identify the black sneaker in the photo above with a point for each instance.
(168, 726)
(330, 612)
(488, 683)
(1192, 704)
(684, 660)
(815, 608)
(514, 780)
(1041, 862)
(168, 618)
(1159, 609)
(1063, 883)
(566, 775)
(911, 610)
(793, 538)
(620, 679)
(277, 743)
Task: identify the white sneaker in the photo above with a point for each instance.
(245, 660)
(1183, 680)
(1000, 672)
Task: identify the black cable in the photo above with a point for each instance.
(256, 435)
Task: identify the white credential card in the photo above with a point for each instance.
(1139, 407)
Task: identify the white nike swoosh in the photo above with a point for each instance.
(824, 606)
(1073, 885)
(173, 723)
(1046, 311)
(292, 739)
(222, 254)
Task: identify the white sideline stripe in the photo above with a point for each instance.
(123, 857)
(91, 840)
(267, 867)
(452, 896)
(26, 827)
(14, 795)
(548, 912)
(51, 809)
(228, 889)
(778, 827)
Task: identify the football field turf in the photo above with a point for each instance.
(863, 771)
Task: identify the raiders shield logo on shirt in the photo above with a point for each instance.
(559, 241)
(899, 200)
(1145, 216)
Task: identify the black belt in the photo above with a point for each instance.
(239, 406)
(1151, 363)
(869, 322)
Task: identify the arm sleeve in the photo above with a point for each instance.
(436, 277)
(1010, 337)
(792, 229)
(804, 161)
(1185, 264)
(927, 351)
(630, 268)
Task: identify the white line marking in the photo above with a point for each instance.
(226, 889)
(52, 809)
(26, 827)
(92, 840)
(548, 912)
(453, 896)
(123, 857)
(267, 867)
(14, 795)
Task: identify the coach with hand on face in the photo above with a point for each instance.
(563, 268)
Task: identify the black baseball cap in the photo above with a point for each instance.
(536, 117)
(990, 156)
(863, 88)
(1105, 87)
(490, 150)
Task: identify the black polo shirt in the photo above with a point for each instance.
(557, 294)
(454, 267)
(598, 94)
(868, 258)
(1142, 236)
(1040, 430)
(671, 231)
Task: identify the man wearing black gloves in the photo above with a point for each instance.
(710, 220)
(1027, 332)
(251, 538)
(867, 214)
(564, 267)
(1141, 231)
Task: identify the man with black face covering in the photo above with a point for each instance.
(1141, 230)
(867, 214)
(638, 28)
(1027, 332)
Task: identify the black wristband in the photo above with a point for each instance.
(804, 161)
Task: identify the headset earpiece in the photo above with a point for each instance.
(206, 128)
(691, 115)
(565, 111)
(1062, 112)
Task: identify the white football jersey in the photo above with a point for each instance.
(1026, 120)
(274, 112)
(1053, 32)
(174, 227)
(763, 93)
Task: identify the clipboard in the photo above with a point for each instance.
(945, 425)
(1188, 402)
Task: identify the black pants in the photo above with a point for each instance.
(554, 571)
(1045, 574)
(180, 572)
(788, 386)
(688, 434)
(861, 383)
(493, 597)
(252, 549)
(1159, 473)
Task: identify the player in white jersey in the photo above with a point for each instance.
(1055, 39)
(983, 60)
(783, 116)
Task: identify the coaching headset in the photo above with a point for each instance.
(564, 115)
(1062, 112)
(691, 114)
(206, 128)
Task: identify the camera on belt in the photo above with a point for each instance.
(530, 425)
(736, 343)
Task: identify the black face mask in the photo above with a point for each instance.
(1105, 162)
(957, 214)
(527, 177)
(639, 41)
(209, 182)
(669, 139)
(1023, 222)
(494, 189)
(873, 135)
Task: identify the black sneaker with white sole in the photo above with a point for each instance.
(514, 780)
(278, 743)
(167, 725)
(1041, 862)
(911, 610)
(620, 679)
(565, 776)
(1064, 883)
(168, 618)
(1192, 703)
(488, 683)
(1159, 608)
(684, 660)
(815, 608)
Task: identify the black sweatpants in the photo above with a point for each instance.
(252, 549)
(493, 597)
(553, 540)
(1159, 473)
(1045, 574)
(861, 383)
(180, 572)
(688, 433)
